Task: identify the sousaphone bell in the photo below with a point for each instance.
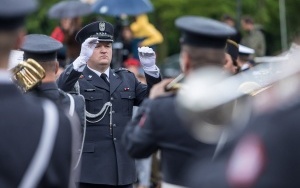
(28, 74)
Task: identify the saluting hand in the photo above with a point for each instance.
(87, 49)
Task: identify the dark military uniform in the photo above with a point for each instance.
(62, 99)
(266, 154)
(158, 127)
(274, 140)
(21, 124)
(109, 102)
(104, 159)
(23, 120)
(43, 49)
(51, 91)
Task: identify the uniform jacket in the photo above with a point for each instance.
(21, 122)
(52, 92)
(62, 100)
(269, 148)
(104, 159)
(157, 126)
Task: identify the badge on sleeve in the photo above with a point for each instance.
(247, 162)
(142, 120)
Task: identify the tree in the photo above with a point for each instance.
(265, 13)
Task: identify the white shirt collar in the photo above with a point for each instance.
(245, 66)
(99, 73)
(5, 76)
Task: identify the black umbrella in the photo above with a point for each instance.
(119, 7)
(69, 9)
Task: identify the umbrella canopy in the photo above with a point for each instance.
(69, 9)
(119, 7)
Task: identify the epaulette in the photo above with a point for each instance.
(122, 69)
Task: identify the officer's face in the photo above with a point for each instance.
(229, 66)
(102, 54)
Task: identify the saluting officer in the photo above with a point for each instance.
(157, 125)
(109, 96)
(35, 137)
(43, 49)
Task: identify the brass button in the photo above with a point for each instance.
(112, 98)
(114, 125)
(115, 139)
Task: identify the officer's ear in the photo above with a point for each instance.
(56, 67)
(185, 62)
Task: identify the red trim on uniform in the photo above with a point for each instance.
(247, 162)
(142, 120)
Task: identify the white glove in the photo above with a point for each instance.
(147, 58)
(87, 48)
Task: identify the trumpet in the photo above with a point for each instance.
(28, 74)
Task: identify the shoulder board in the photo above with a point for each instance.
(121, 69)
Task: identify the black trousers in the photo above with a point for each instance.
(88, 185)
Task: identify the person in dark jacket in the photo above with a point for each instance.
(43, 49)
(157, 125)
(35, 136)
(110, 96)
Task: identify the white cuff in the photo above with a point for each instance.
(152, 71)
(79, 64)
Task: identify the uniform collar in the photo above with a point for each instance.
(99, 73)
(48, 86)
(245, 66)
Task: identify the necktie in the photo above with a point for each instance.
(104, 77)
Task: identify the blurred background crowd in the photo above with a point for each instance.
(275, 22)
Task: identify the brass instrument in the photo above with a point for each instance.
(209, 101)
(28, 74)
(174, 85)
(202, 106)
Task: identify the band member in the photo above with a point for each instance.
(35, 136)
(157, 125)
(43, 49)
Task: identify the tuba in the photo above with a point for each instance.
(28, 74)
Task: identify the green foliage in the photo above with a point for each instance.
(38, 22)
(265, 13)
